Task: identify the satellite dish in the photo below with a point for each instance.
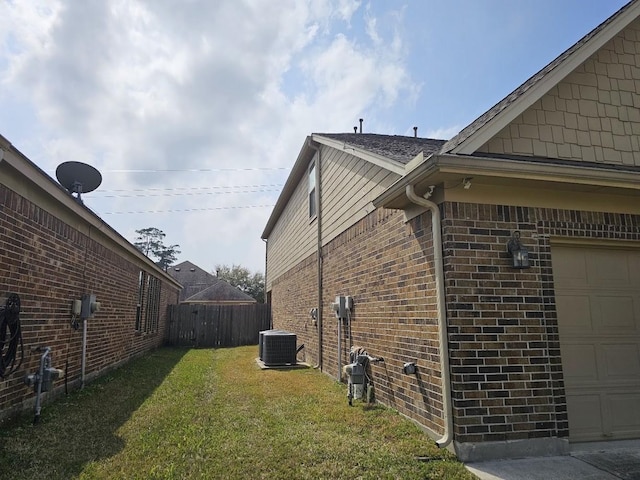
(78, 177)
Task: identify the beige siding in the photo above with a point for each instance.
(593, 115)
(348, 185)
(294, 237)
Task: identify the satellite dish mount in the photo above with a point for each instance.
(78, 178)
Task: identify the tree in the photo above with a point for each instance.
(151, 241)
(242, 278)
(167, 256)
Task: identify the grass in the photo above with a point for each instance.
(206, 414)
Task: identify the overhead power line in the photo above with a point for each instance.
(173, 170)
(210, 187)
(139, 195)
(188, 210)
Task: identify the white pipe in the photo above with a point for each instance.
(84, 350)
(339, 377)
(442, 319)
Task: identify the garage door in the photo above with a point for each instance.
(598, 302)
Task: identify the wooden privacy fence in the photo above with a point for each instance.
(216, 325)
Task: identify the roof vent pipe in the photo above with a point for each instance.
(361, 120)
(415, 132)
(355, 129)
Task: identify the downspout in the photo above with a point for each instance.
(442, 319)
(311, 145)
(266, 260)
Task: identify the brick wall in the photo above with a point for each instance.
(385, 265)
(506, 369)
(293, 295)
(48, 263)
(507, 381)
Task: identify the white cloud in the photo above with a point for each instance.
(208, 86)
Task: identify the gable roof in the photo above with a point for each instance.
(391, 152)
(500, 115)
(395, 147)
(199, 285)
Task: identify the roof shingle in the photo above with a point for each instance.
(395, 147)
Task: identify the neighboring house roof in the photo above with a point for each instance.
(498, 116)
(201, 286)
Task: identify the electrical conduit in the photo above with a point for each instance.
(442, 320)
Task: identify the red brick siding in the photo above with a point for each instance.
(386, 266)
(506, 369)
(507, 381)
(293, 295)
(49, 263)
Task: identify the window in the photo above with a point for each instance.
(148, 306)
(152, 313)
(312, 190)
(141, 283)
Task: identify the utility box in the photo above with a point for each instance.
(342, 306)
(88, 306)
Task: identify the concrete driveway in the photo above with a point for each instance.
(587, 461)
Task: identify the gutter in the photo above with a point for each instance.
(442, 319)
(313, 146)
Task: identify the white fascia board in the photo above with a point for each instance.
(375, 159)
(414, 163)
(524, 101)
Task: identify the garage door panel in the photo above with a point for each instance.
(605, 268)
(598, 306)
(572, 269)
(585, 418)
(621, 362)
(579, 364)
(576, 309)
(625, 414)
(634, 267)
(617, 311)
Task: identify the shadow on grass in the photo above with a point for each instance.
(82, 427)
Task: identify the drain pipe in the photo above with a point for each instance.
(314, 147)
(442, 319)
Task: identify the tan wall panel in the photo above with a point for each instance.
(595, 201)
(293, 238)
(591, 116)
(349, 185)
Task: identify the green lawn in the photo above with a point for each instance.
(206, 414)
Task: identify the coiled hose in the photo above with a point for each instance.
(10, 324)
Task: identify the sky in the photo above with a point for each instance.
(194, 111)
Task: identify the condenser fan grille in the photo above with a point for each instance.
(277, 347)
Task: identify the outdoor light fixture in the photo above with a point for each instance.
(518, 252)
(409, 368)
